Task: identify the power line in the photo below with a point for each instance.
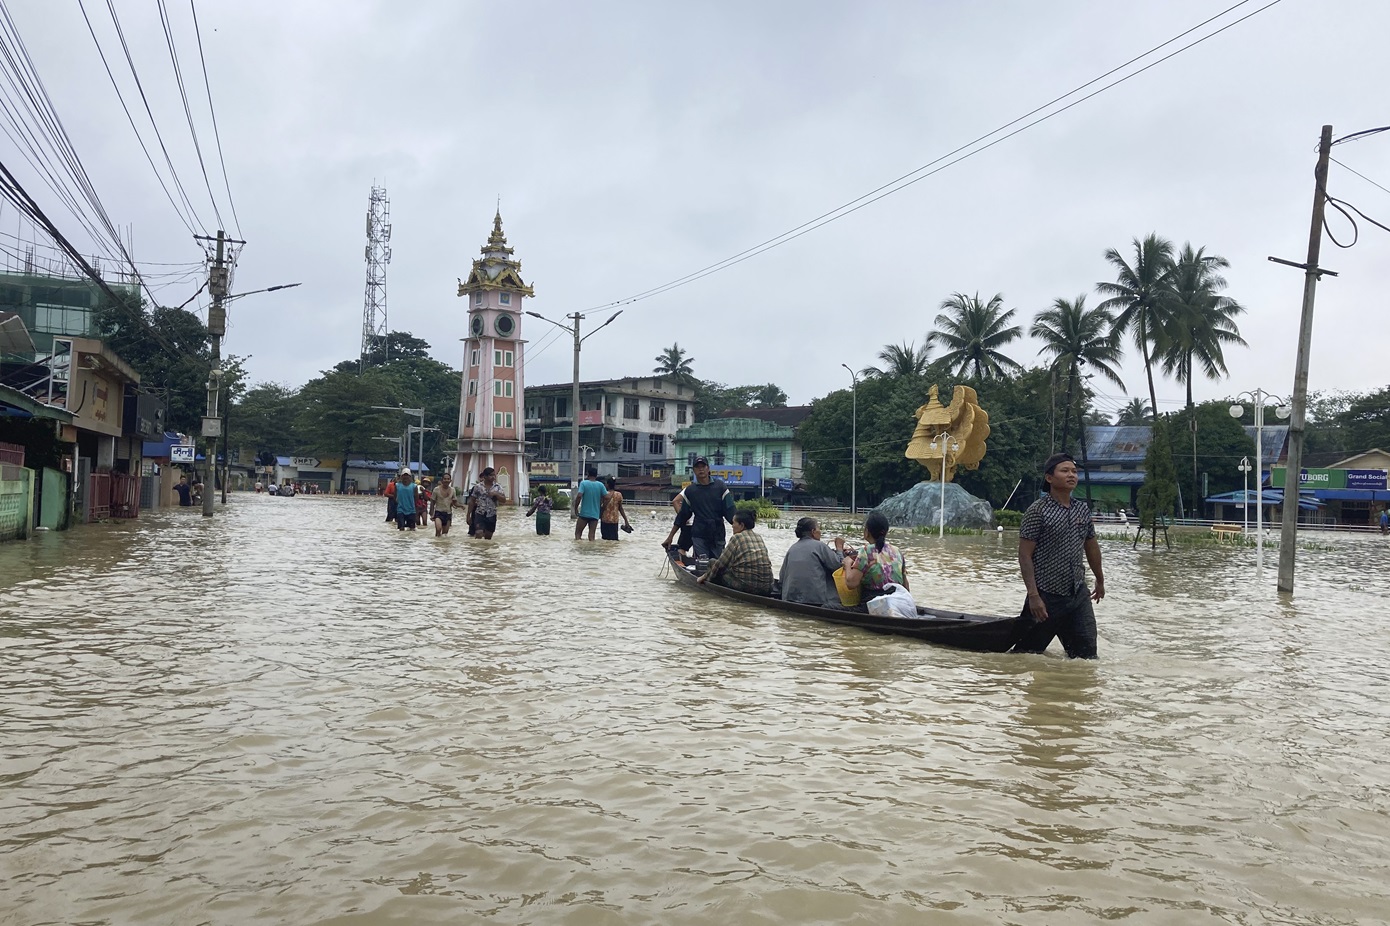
(213, 112)
(949, 159)
(1359, 174)
(187, 111)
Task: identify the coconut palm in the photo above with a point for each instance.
(973, 331)
(1139, 299)
(1135, 411)
(904, 359)
(672, 361)
(1201, 323)
(1077, 337)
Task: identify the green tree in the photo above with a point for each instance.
(397, 345)
(676, 363)
(1139, 299)
(1133, 412)
(973, 331)
(769, 395)
(1201, 324)
(904, 359)
(336, 416)
(1221, 442)
(170, 350)
(1159, 492)
(264, 419)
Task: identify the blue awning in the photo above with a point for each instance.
(1306, 500)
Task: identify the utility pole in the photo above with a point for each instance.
(574, 416)
(217, 327)
(1288, 535)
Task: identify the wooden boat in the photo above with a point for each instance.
(983, 633)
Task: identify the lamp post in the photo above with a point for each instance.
(853, 438)
(574, 396)
(947, 446)
(1259, 398)
(1244, 468)
(418, 412)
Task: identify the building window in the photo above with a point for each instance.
(507, 388)
(477, 298)
(656, 445)
(497, 419)
(630, 409)
(497, 387)
(776, 458)
(747, 458)
(510, 421)
(803, 460)
(609, 411)
(719, 458)
(468, 422)
(562, 408)
(474, 361)
(630, 442)
(690, 459)
(680, 413)
(656, 411)
(472, 387)
(505, 298)
(508, 358)
(502, 388)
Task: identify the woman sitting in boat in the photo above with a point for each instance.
(744, 565)
(876, 563)
(809, 568)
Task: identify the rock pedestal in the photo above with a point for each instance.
(920, 506)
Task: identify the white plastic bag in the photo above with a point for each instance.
(895, 601)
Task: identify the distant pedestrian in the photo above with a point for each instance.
(185, 492)
(612, 510)
(588, 503)
(422, 501)
(443, 500)
(1385, 521)
(390, 493)
(483, 500)
(405, 500)
(1055, 532)
(540, 507)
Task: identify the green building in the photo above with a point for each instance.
(754, 450)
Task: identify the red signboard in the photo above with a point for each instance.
(591, 417)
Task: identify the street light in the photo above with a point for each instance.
(1244, 468)
(947, 446)
(574, 396)
(420, 413)
(1260, 399)
(268, 289)
(853, 437)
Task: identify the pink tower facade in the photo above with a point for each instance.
(491, 429)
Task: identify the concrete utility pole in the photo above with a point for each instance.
(217, 327)
(1288, 535)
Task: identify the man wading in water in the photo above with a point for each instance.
(1056, 530)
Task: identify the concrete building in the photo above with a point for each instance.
(754, 450)
(1353, 488)
(490, 429)
(628, 425)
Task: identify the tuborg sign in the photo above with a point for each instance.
(1367, 479)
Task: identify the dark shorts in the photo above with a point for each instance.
(608, 531)
(443, 517)
(405, 520)
(1070, 618)
(484, 523)
(585, 522)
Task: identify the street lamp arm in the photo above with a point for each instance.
(551, 320)
(600, 327)
(268, 289)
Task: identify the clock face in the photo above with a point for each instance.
(505, 325)
(477, 325)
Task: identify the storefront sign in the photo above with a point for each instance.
(307, 462)
(739, 476)
(1367, 479)
(784, 484)
(181, 453)
(545, 469)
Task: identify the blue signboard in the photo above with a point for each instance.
(738, 475)
(1366, 479)
(784, 484)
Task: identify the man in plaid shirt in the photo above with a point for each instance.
(744, 565)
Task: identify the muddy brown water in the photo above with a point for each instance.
(294, 714)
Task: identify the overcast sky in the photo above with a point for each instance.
(633, 143)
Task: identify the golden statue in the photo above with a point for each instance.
(951, 434)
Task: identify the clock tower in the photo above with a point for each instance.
(491, 427)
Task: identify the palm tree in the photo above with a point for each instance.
(1077, 337)
(903, 359)
(672, 361)
(974, 331)
(1135, 411)
(1201, 323)
(1139, 299)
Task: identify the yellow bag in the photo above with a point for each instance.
(849, 597)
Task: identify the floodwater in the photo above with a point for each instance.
(294, 714)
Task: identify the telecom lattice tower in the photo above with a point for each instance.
(378, 256)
